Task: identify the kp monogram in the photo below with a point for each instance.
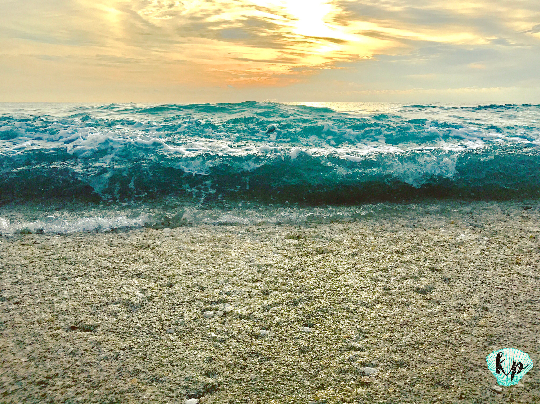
(509, 365)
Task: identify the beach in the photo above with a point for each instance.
(402, 306)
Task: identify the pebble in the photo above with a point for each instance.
(192, 401)
(218, 338)
(355, 346)
(307, 329)
(497, 389)
(368, 371)
(208, 314)
(365, 380)
(264, 333)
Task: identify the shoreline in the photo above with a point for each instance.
(265, 313)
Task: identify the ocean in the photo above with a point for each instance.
(74, 167)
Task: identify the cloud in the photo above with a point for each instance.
(267, 43)
(535, 29)
(225, 32)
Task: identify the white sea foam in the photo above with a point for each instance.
(416, 172)
(71, 225)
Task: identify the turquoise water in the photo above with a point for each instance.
(335, 154)
(316, 154)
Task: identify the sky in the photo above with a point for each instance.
(190, 51)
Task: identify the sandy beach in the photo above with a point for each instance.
(399, 307)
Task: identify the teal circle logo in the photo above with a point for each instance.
(509, 365)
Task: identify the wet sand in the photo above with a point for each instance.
(275, 313)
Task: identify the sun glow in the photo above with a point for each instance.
(303, 19)
(245, 43)
(310, 20)
(261, 41)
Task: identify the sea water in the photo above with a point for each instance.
(73, 167)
